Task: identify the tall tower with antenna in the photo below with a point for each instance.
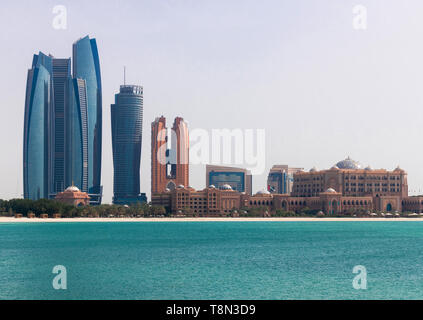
(126, 118)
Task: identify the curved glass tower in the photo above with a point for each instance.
(76, 154)
(126, 118)
(86, 65)
(61, 75)
(38, 99)
(62, 129)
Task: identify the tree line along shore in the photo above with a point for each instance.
(45, 208)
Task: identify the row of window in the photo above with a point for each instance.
(186, 195)
(370, 177)
(356, 202)
(261, 202)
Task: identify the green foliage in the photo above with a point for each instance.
(284, 213)
(25, 206)
(38, 207)
(253, 212)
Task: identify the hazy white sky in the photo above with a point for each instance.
(320, 88)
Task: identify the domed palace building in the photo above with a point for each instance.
(73, 196)
(345, 187)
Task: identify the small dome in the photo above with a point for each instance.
(181, 186)
(226, 187)
(348, 163)
(331, 190)
(334, 168)
(72, 189)
(368, 168)
(263, 192)
(398, 168)
(212, 186)
(314, 169)
(167, 190)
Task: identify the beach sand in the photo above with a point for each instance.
(208, 219)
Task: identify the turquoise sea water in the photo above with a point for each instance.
(212, 260)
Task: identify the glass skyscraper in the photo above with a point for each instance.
(62, 130)
(126, 118)
(61, 75)
(36, 165)
(86, 65)
(77, 135)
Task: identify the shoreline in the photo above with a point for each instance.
(205, 219)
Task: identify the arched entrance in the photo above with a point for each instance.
(389, 207)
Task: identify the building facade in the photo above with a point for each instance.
(238, 178)
(126, 118)
(281, 179)
(169, 155)
(208, 202)
(345, 188)
(352, 180)
(62, 125)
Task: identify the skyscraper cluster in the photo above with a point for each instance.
(63, 133)
(63, 124)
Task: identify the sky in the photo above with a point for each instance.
(320, 88)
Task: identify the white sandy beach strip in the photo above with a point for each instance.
(209, 219)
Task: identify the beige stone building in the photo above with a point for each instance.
(209, 201)
(346, 187)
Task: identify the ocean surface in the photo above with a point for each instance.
(212, 260)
